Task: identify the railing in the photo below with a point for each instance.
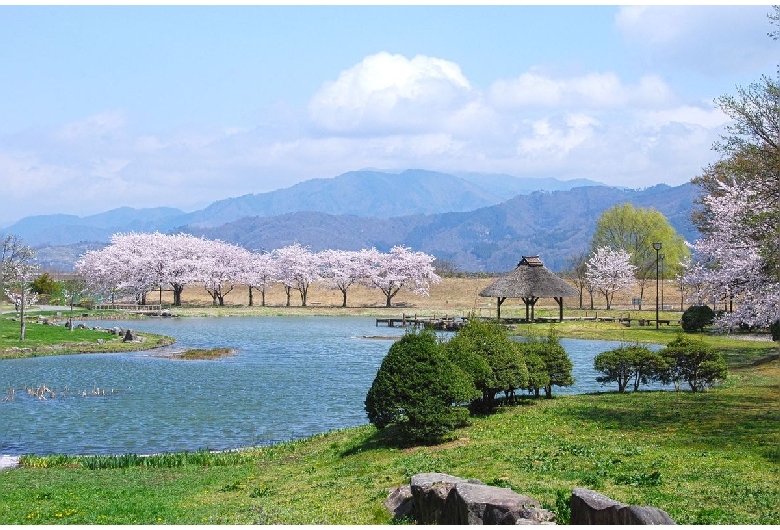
(132, 307)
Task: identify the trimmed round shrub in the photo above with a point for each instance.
(692, 361)
(419, 391)
(696, 317)
(493, 362)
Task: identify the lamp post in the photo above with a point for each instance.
(661, 256)
(657, 247)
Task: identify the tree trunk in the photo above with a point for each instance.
(548, 391)
(389, 298)
(262, 296)
(177, 290)
(303, 296)
(23, 328)
(250, 296)
(344, 303)
(288, 291)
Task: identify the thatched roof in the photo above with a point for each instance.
(530, 279)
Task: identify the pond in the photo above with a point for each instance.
(290, 377)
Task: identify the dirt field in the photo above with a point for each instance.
(454, 296)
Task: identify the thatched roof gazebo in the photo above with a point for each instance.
(530, 281)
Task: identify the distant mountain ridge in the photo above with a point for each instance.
(556, 225)
(367, 193)
(477, 222)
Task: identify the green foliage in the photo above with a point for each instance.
(45, 285)
(494, 362)
(538, 377)
(419, 391)
(775, 329)
(696, 317)
(635, 229)
(556, 361)
(628, 363)
(692, 361)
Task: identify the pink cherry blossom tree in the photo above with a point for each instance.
(298, 269)
(220, 268)
(260, 272)
(401, 268)
(609, 271)
(729, 265)
(342, 269)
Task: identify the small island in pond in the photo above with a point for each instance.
(204, 354)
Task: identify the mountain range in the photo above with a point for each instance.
(475, 222)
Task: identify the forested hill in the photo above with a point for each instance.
(362, 193)
(553, 224)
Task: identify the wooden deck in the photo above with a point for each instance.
(445, 322)
(151, 309)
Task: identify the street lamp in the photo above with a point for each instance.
(657, 247)
(663, 278)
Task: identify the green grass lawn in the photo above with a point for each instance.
(47, 339)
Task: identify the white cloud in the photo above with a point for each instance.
(710, 39)
(386, 111)
(593, 90)
(391, 92)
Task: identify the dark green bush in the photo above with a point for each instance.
(419, 391)
(692, 361)
(626, 364)
(696, 317)
(494, 362)
(775, 329)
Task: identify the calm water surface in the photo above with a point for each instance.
(290, 378)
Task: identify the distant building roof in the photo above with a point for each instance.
(530, 279)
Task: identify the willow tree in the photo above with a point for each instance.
(634, 230)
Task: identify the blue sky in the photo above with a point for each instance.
(147, 106)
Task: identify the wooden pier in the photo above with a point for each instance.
(151, 309)
(445, 322)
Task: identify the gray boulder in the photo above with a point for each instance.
(430, 492)
(480, 504)
(591, 507)
(400, 503)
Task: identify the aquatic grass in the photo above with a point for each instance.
(206, 354)
(202, 458)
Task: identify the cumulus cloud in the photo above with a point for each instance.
(593, 90)
(392, 93)
(386, 111)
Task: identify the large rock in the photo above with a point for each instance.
(445, 499)
(591, 507)
(400, 503)
(480, 504)
(430, 492)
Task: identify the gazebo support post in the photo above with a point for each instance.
(559, 299)
(499, 300)
(530, 301)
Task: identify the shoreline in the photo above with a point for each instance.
(9, 462)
